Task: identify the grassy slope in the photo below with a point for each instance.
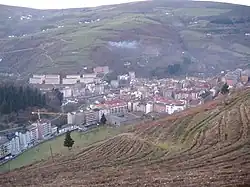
(42, 151)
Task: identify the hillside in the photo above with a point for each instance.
(146, 37)
(205, 146)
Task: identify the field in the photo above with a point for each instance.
(42, 151)
(204, 146)
(200, 11)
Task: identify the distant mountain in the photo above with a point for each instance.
(154, 38)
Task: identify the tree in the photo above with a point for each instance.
(225, 89)
(14, 98)
(68, 141)
(59, 95)
(205, 94)
(103, 119)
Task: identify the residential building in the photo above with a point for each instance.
(168, 93)
(91, 117)
(67, 92)
(90, 75)
(45, 128)
(159, 107)
(116, 106)
(35, 81)
(39, 130)
(5, 147)
(52, 76)
(54, 129)
(79, 118)
(115, 120)
(131, 75)
(71, 118)
(87, 80)
(99, 88)
(112, 107)
(39, 77)
(231, 82)
(162, 105)
(25, 139)
(51, 81)
(14, 144)
(33, 133)
(140, 107)
(149, 108)
(182, 94)
(114, 83)
(70, 81)
(101, 69)
(77, 77)
(244, 79)
(170, 109)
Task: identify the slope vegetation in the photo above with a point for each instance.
(146, 37)
(205, 146)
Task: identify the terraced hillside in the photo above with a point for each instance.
(205, 146)
(146, 37)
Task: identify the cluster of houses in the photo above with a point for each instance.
(236, 78)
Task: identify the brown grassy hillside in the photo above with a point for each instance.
(205, 146)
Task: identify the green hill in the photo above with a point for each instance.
(200, 37)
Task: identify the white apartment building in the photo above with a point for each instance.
(71, 118)
(35, 81)
(52, 80)
(25, 139)
(39, 76)
(52, 76)
(15, 145)
(132, 75)
(149, 108)
(73, 77)
(87, 80)
(33, 133)
(170, 109)
(67, 92)
(70, 81)
(90, 75)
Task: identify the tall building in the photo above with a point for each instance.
(40, 130)
(132, 75)
(91, 117)
(5, 147)
(33, 133)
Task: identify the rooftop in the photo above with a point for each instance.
(168, 101)
(3, 140)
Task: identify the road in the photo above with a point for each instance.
(16, 51)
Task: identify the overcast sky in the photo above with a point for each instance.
(50, 4)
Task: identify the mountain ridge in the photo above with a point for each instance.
(199, 37)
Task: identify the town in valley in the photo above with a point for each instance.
(125, 100)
